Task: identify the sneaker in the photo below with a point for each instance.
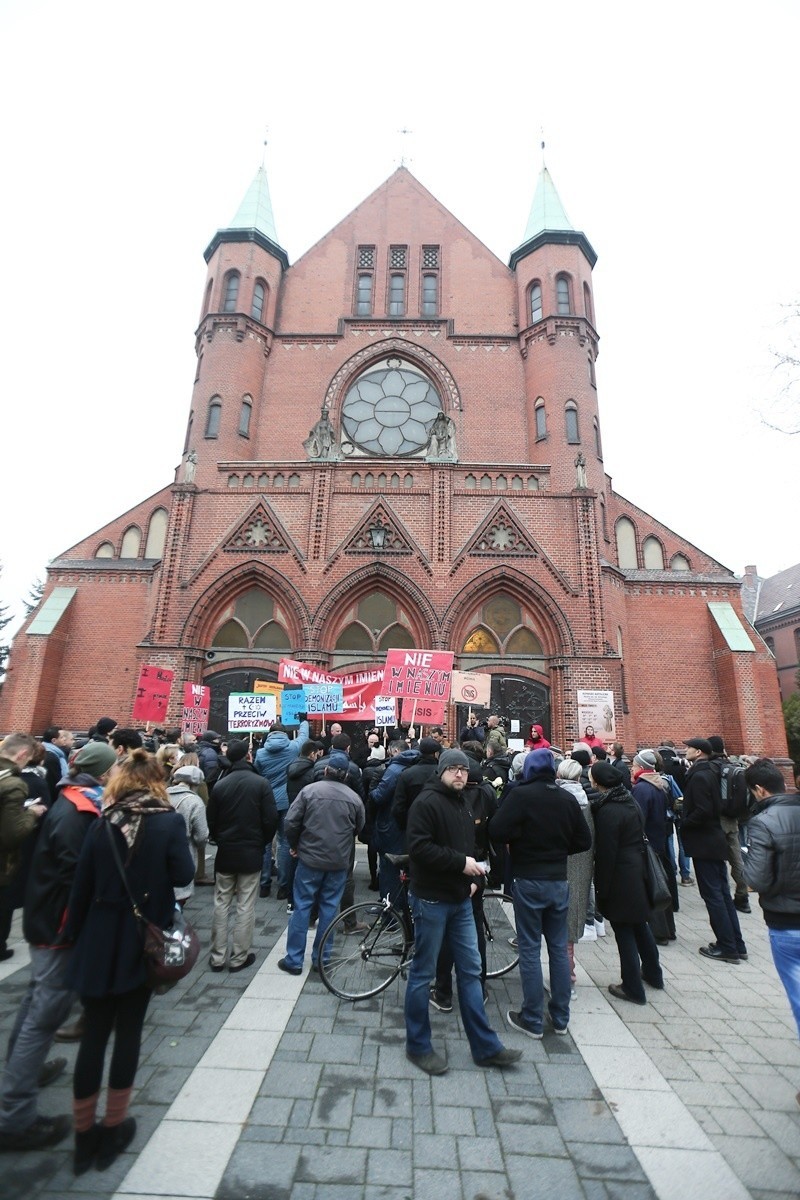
(573, 995)
(561, 1032)
(51, 1071)
(284, 966)
(513, 943)
(248, 962)
(600, 928)
(431, 1063)
(687, 882)
(515, 1021)
(290, 908)
(45, 1131)
(503, 1058)
(589, 933)
(440, 1002)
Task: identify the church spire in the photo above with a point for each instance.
(547, 212)
(255, 211)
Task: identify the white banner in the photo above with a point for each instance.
(251, 712)
(385, 712)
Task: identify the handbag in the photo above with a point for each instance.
(169, 954)
(655, 878)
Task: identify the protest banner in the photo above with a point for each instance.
(196, 706)
(471, 687)
(272, 689)
(250, 712)
(293, 702)
(359, 688)
(385, 712)
(152, 695)
(418, 674)
(324, 699)
(423, 712)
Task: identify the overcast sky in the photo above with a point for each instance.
(131, 133)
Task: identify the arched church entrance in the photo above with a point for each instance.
(224, 683)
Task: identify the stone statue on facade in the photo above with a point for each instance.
(442, 444)
(580, 472)
(190, 467)
(321, 441)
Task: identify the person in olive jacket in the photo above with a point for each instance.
(619, 880)
(242, 820)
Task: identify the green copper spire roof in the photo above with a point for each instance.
(547, 211)
(255, 211)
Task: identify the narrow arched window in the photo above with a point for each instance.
(679, 562)
(156, 533)
(626, 544)
(541, 420)
(587, 303)
(536, 301)
(188, 433)
(603, 518)
(245, 413)
(563, 304)
(571, 417)
(214, 417)
(131, 542)
(598, 445)
(397, 295)
(364, 296)
(653, 554)
(257, 307)
(430, 295)
(231, 292)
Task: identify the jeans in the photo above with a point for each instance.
(245, 889)
(712, 883)
(282, 856)
(540, 907)
(635, 943)
(323, 888)
(444, 963)
(44, 1007)
(434, 921)
(785, 945)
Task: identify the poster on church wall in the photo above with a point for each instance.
(359, 688)
(250, 712)
(597, 709)
(418, 674)
(152, 695)
(196, 707)
(471, 687)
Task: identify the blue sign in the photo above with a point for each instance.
(292, 703)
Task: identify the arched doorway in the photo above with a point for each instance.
(224, 683)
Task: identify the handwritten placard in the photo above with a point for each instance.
(196, 707)
(418, 674)
(250, 712)
(152, 694)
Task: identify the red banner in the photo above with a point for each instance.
(152, 695)
(423, 712)
(359, 687)
(196, 706)
(419, 674)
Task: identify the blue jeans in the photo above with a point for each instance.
(434, 921)
(540, 907)
(310, 886)
(282, 856)
(785, 944)
(712, 883)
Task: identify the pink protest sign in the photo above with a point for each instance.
(418, 674)
(152, 694)
(196, 705)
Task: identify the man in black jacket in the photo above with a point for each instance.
(48, 1000)
(704, 842)
(542, 824)
(772, 868)
(242, 819)
(444, 871)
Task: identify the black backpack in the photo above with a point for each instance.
(734, 792)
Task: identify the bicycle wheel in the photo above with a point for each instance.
(357, 966)
(500, 931)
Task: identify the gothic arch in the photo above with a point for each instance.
(200, 625)
(372, 576)
(556, 635)
(405, 348)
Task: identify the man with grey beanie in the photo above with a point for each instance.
(443, 875)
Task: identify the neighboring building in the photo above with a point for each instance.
(395, 442)
(773, 606)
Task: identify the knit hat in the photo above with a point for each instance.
(95, 759)
(377, 754)
(536, 762)
(191, 775)
(105, 725)
(646, 759)
(338, 761)
(429, 746)
(717, 745)
(606, 775)
(237, 751)
(451, 758)
(701, 744)
(210, 736)
(582, 756)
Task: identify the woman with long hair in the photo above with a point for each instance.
(108, 967)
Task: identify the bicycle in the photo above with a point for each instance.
(358, 967)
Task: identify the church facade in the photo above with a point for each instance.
(395, 442)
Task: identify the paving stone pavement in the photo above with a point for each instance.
(260, 1086)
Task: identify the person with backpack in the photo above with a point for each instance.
(734, 806)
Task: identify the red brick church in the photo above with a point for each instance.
(396, 442)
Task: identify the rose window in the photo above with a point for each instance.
(389, 411)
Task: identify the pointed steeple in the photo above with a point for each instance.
(255, 211)
(253, 222)
(548, 222)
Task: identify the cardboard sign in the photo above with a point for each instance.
(471, 687)
(418, 674)
(196, 706)
(293, 702)
(152, 695)
(324, 699)
(271, 689)
(250, 712)
(423, 712)
(359, 688)
(385, 712)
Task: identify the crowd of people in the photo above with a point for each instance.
(85, 828)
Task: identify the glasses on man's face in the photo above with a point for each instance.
(458, 770)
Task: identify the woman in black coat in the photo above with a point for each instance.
(107, 968)
(619, 882)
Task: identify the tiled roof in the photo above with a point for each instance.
(780, 593)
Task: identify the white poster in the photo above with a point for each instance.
(471, 687)
(385, 712)
(596, 709)
(251, 712)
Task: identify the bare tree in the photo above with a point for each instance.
(783, 413)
